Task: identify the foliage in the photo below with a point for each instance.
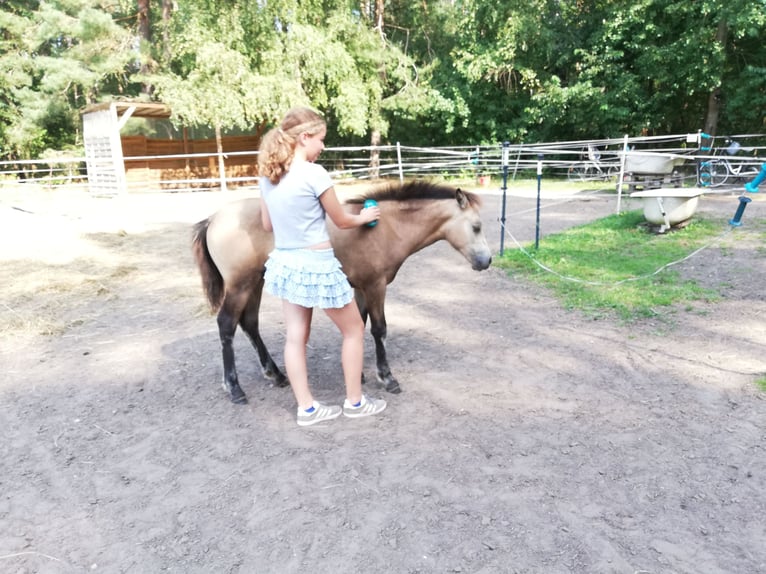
(217, 74)
(56, 57)
(610, 265)
(442, 73)
(579, 70)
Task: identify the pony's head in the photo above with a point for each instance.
(456, 212)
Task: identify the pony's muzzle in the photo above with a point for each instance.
(481, 261)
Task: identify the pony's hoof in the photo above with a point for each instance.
(236, 394)
(282, 383)
(393, 387)
(239, 398)
(276, 377)
(390, 384)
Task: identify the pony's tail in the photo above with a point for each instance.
(212, 280)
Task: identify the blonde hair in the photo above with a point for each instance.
(278, 145)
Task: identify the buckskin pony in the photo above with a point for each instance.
(231, 248)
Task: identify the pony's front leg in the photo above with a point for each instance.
(375, 308)
(361, 304)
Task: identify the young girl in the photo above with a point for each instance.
(302, 270)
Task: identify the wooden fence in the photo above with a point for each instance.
(182, 164)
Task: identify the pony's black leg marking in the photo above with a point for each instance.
(227, 326)
(362, 306)
(249, 323)
(379, 329)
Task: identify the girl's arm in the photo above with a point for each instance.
(342, 218)
(265, 217)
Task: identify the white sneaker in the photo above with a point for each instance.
(365, 408)
(319, 413)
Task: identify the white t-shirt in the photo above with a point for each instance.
(296, 214)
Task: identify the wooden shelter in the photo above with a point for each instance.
(117, 164)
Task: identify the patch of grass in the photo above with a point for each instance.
(608, 266)
(761, 383)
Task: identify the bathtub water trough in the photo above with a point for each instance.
(668, 207)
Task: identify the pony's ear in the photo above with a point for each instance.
(462, 200)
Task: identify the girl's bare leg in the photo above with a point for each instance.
(298, 327)
(351, 327)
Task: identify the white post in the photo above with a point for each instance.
(222, 171)
(518, 158)
(622, 173)
(399, 159)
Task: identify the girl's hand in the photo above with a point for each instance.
(370, 214)
(347, 219)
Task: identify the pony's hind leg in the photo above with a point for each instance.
(228, 317)
(249, 323)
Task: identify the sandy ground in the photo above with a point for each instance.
(528, 438)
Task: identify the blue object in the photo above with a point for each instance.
(752, 186)
(370, 203)
(736, 220)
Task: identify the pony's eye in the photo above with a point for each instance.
(477, 227)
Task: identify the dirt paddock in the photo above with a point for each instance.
(527, 438)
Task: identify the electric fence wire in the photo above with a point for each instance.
(621, 281)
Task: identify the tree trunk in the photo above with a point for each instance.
(365, 7)
(379, 5)
(167, 10)
(145, 33)
(375, 155)
(219, 149)
(714, 99)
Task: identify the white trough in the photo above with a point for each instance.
(652, 162)
(668, 207)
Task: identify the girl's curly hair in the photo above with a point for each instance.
(278, 145)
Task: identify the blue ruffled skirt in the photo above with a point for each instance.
(308, 277)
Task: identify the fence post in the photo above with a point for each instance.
(399, 160)
(375, 155)
(537, 210)
(622, 172)
(506, 146)
(222, 170)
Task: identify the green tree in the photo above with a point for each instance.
(55, 57)
(547, 69)
(431, 108)
(664, 66)
(243, 65)
(504, 54)
(434, 72)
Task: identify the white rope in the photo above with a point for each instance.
(615, 283)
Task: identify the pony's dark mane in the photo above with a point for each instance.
(413, 190)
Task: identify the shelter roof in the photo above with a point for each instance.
(135, 109)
